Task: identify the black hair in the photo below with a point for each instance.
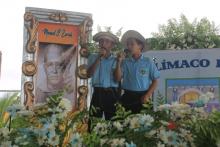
(139, 42)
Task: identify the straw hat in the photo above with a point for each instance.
(133, 34)
(106, 35)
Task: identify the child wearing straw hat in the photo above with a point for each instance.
(100, 68)
(139, 74)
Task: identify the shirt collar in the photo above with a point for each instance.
(109, 57)
(133, 60)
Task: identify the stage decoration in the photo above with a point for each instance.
(53, 41)
(54, 124)
(29, 68)
(82, 71)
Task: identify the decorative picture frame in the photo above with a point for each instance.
(74, 30)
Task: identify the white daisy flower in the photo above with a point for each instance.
(134, 123)
(118, 142)
(101, 128)
(118, 126)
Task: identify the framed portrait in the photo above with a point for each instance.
(51, 56)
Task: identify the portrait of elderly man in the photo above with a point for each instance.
(56, 72)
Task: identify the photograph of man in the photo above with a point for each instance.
(139, 74)
(56, 72)
(100, 68)
(53, 67)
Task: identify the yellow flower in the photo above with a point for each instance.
(72, 114)
(82, 128)
(62, 127)
(67, 138)
(5, 116)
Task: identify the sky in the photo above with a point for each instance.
(141, 15)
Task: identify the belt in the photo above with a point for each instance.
(105, 89)
(138, 92)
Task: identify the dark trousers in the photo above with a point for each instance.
(131, 100)
(103, 101)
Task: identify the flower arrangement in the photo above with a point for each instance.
(148, 128)
(54, 124)
(47, 124)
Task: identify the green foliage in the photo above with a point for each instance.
(160, 100)
(92, 47)
(5, 101)
(131, 128)
(44, 125)
(55, 99)
(91, 140)
(121, 114)
(52, 124)
(20, 122)
(182, 34)
(207, 130)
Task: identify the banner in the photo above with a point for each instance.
(58, 33)
(188, 76)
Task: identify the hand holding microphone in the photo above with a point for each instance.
(120, 56)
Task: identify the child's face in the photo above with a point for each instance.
(133, 46)
(106, 44)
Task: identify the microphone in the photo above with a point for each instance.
(102, 51)
(127, 53)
